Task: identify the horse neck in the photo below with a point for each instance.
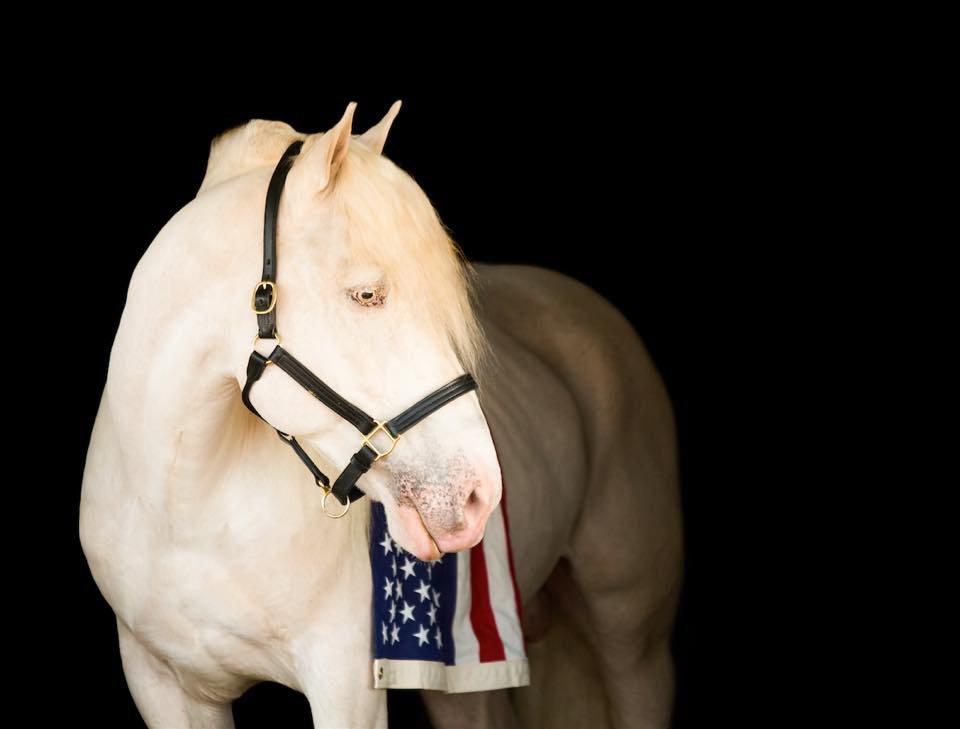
(162, 383)
(171, 386)
(189, 449)
(205, 469)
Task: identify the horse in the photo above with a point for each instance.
(209, 542)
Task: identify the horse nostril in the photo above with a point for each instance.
(474, 504)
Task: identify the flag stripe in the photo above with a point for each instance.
(502, 594)
(481, 614)
(465, 647)
(506, 531)
(513, 572)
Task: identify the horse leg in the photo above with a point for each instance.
(625, 575)
(471, 710)
(334, 673)
(336, 704)
(160, 698)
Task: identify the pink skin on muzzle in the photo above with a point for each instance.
(442, 505)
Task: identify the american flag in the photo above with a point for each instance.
(453, 624)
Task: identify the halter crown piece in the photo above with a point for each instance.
(264, 304)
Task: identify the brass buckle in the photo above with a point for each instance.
(273, 296)
(367, 442)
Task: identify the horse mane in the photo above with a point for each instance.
(392, 223)
(257, 143)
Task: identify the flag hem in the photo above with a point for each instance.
(399, 673)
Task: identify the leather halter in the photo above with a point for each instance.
(264, 303)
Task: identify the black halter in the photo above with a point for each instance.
(265, 305)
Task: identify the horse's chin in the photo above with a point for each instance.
(412, 534)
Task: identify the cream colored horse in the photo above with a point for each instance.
(205, 534)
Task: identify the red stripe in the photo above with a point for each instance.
(481, 614)
(513, 572)
(506, 531)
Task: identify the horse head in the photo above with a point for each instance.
(375, 298)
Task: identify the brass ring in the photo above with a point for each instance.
(323, 505)
(276, 335)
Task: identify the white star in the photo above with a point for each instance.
(429, 570)
(387, 588)
(395, 634)
(393, 565)
(423, 591)
(439, 639)
(399, 590)
(406, 611)
(384, 627)
(422, 636)
(393, 610)
(432, 612)
(387, 544)
(407, 567)
(436, 598)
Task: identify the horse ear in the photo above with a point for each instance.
(322, 154)
(376, 136)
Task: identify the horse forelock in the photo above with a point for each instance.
(391, 222)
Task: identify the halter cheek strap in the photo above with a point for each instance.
(265, 293)
(264, 303)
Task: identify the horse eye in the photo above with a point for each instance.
(372, 295)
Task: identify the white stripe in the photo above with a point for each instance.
(502, 595)
(465, 646)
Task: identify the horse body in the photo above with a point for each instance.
(208, 541)
(586, 437)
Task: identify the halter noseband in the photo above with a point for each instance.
(264, 303)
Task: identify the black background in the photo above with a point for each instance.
(662, 190)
